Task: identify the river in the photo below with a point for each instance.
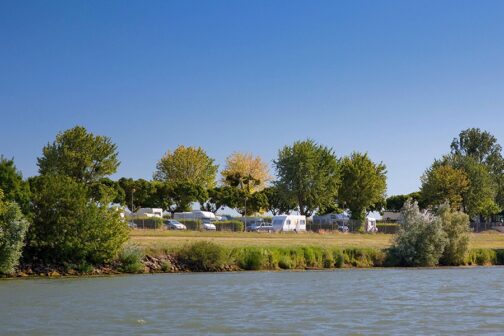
(447, 301)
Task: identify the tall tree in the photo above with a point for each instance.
(442, 183)
(187, 165)
(80, 155)
(246, 165)
(220, 197)
(278, 201)
(481, 146)
(363, 184)
(396, 202)
(308, 173)
(12, 184)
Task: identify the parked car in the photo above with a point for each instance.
(208, 225)
(260, 227)
(343, 228)
(172, 224)
(132, 225)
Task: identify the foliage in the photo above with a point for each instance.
(279, 202)
(443, 183)
(388, 228)
(80, 155)
(479, 145)
(183, 194)
(421, 239)
(252, 259)
(363, 184)
(130, 259)
(148, 222)
(187, 165)
(308, 173)
(68, 226)
(13, 228)
(456, 227)
(229, 225)
(396, 202)
(12, 184)
(203, 256)
(191, 224)
(246, 165)
(483, 257)
(220, 197)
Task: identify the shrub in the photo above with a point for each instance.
(166, 266)
(456, 227)
(203, 256)
(13, 228)
(285, 262)
(229, 225)
(252, 259)
(339, 258)
(68, 226)
(148, 222)
(421, 239)
(130, 259)
(481, 257)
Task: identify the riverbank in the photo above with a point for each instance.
(205, 256)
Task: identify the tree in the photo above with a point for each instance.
(308, 173)
(13, 228)
(251, 171)
(443, 183)
(456, 226)
(12, 184)
(396, 202)
(421, 240)
(278, 200)
(183, 194)
(363, 184)
(70, 227)
(481, 146)
(220, 197)
(187, 165)
(81, 155)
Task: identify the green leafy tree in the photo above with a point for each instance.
(187, 165)
(12, 184)
(278, 200)
(421, 239)
(79, 154)
(396, 202)
(69, 226)
(183, 195)
(308, 173)
(13, 228)
(456, 226)
(363, 185)
(443, 183)
(220, 197)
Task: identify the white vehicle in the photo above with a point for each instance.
(371, 225)
(283, 223)
(149, 212)
(206, 217)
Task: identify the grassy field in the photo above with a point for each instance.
(163, 239)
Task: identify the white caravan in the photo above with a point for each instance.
(206, 217)
(371, 225)
(150, 212)
(295, 223)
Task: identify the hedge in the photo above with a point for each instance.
(148, 222)
(229, 225)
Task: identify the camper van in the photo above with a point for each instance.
(150, 212)
(207, 218)
(289, 223)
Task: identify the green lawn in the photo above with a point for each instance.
(157, 239)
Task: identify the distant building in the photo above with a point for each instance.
(391, 216)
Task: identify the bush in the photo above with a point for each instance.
(70, 227)
(456, 227)
(229, 225)
(203, 256)
(148, 222)
(285, 262)
(166, 266)
(252, 259)
(421, 239)
(130, 259)
(482, 257)
(13, 228)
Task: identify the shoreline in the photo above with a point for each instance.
(297, 259)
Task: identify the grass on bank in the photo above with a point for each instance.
(167, 239)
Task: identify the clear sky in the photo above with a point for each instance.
(397, 79)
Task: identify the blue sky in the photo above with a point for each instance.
(396, 79)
